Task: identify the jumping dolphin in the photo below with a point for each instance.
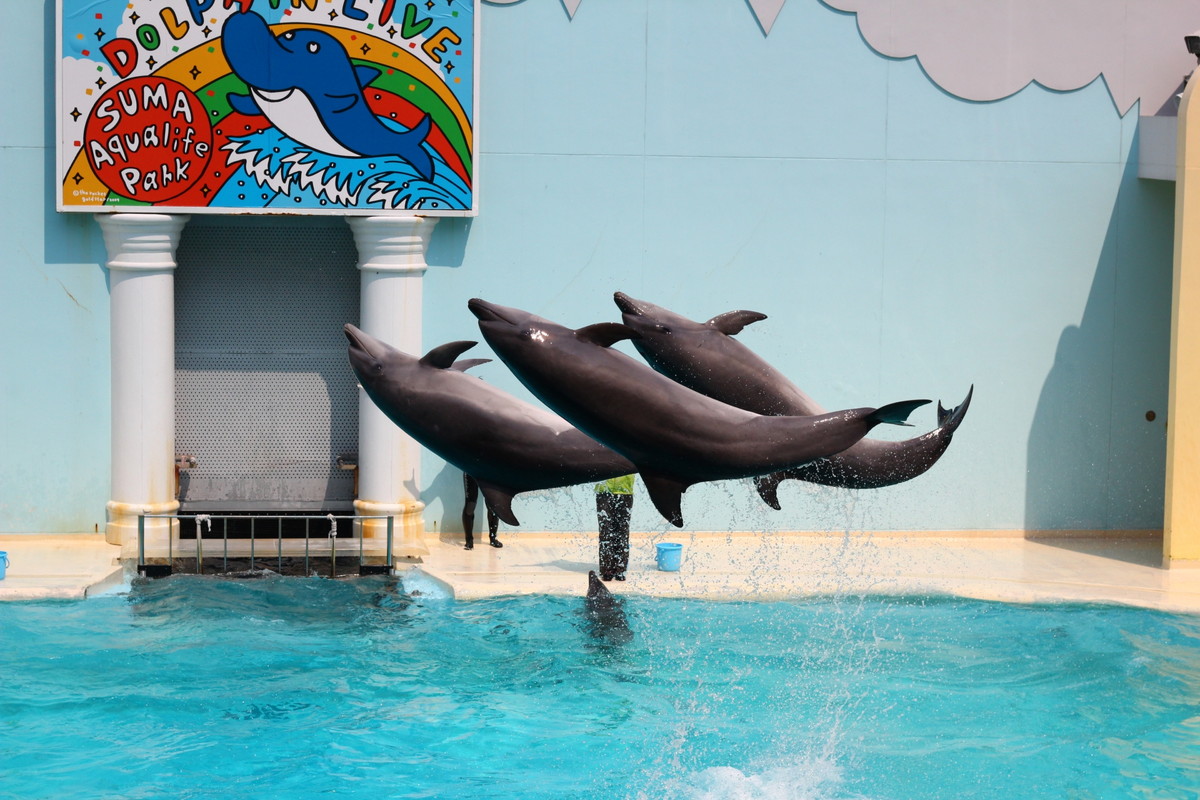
(605, 613)
(508, 446)
(304, 82)
(677, 437)
(704, 356)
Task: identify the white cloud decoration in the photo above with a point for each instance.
(990, 49)
(764, 10)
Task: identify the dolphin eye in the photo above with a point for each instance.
(313, 47)
(290, 35)
(660, 328)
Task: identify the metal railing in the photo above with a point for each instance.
(325, 547)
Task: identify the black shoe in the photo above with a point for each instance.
(607, 578)
(620, 577)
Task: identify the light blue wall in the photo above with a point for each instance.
(54, 384)
(903, 242)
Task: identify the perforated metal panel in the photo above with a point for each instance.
(264, 395)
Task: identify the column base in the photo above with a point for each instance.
(122, 527)
(408, 528)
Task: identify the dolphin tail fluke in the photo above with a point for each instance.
(667, 496)
(949, 420)
(895, 413)
(499, 501)
(768, 488)
(419, 158)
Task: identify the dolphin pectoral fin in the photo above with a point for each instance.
(606, 334)
(667, 496)
(731, 322)
(895, 413)
(244, 104)
(422, 163)
(768, 488)
(346, 102)
(949, 420)
(366, 74)
(499, 501)
(467, 363)
(443, 355)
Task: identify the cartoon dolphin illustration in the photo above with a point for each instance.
(677, 437)
(304, 82)
(507, 445)
(704, 356)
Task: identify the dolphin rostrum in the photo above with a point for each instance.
(677, 437)
(704, 356)
(304, 82)
(508, 446)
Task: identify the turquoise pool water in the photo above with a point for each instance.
(297, 688)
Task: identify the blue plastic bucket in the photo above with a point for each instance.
(668, 555)
(3, 563)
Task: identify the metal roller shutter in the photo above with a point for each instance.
(264, 396)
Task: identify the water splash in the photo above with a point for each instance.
(272, 170)
(817, 779)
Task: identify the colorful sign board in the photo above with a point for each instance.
(267, 106)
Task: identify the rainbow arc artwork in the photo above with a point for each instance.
(267, 106)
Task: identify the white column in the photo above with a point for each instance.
(141, 263)
(391, 260)
(1181, 512)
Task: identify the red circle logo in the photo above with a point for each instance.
(148, 139)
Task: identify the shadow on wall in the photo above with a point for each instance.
(447, 488)
(1096, 456)
(448, 244)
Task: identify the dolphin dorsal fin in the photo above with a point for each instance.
(667, 496)
(365, 74)
(731, 322)
(467, 363)
(442, 356)
(606, 334)
(499, 500)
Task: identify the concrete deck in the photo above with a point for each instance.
(1114, 568)
(1124, 569)
(59, 566)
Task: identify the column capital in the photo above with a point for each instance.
(392, 244)
(141, 242)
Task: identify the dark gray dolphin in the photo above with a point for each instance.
(606, 613)
(677, 437)
(704, 356)
(508, 446)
